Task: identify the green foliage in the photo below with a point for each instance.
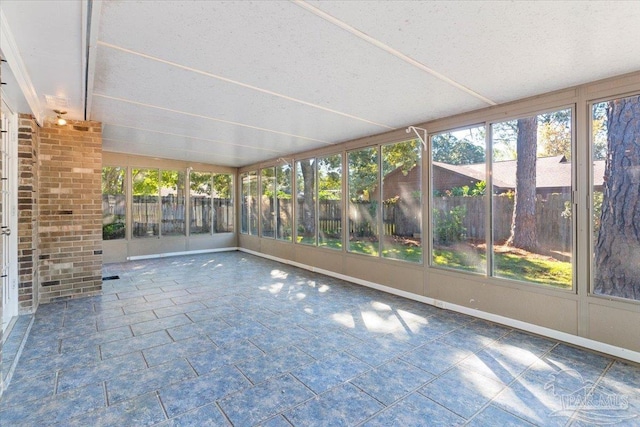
(115, 230)
(283, 182)
(478, 189)
(448, 148)
(145, 182)
(200, 182)
(113, 180)
(448, 226)
(172, 179)
(330, 177)
(363, 173)
(554, 134)
(405, 155)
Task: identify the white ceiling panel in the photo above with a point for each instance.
(238, 82)
(49, 37)
(280, 47)
(506, 51)
(126, 77)
(220, 137)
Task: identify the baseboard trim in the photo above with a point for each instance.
(172, 254)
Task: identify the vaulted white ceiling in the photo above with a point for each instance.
(233, 83)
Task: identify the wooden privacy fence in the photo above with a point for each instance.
(402, 219)
(553, 226)
(146, 215)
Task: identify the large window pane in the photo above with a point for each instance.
(249, 203)
(146, 202)
(223, 203)
(201, 209)
(363, 207)
(306, 196)
(268, 202)
(173, 203)
(532, 209)
(458, 179)
(616, 198)
(401, 201)
(284, 206)
(330, 201)
(114, 203)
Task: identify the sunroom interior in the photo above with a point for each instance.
(481, 158)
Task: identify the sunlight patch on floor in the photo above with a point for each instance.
(376, 323)
(279, 274)
(345, 319)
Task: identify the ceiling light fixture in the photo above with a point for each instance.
(61, 121)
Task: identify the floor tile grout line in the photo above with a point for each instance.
(56, 380)
(513, 381)
(164, 410)
(573, 419)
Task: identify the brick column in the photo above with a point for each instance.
(70, 210)
(27, 213)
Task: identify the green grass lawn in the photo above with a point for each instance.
(509, 266)
(533, 269)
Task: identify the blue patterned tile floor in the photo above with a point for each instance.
(229, 339)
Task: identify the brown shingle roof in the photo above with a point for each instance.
(551, 172)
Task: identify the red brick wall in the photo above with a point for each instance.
(70, 210)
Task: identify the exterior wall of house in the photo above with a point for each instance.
(397, 184)
(70, 210)
(446, 180)
(28, 147)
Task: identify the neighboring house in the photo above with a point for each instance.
(397, 183)
(553, 175)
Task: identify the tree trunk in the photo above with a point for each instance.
(523, 223)
(617, 251)
(308, 205)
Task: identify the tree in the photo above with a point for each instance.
(363, 173)
(403, 155)
(200, 182)
(554, 134)
(447, 148)
(330, 177)
(113, 180)
(523, 223)
(307, 172)
(617, 251)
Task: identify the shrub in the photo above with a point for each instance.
(113, 231)
(448, 226)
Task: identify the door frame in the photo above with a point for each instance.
(9, 261)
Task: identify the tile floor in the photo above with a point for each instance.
(232, 339)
